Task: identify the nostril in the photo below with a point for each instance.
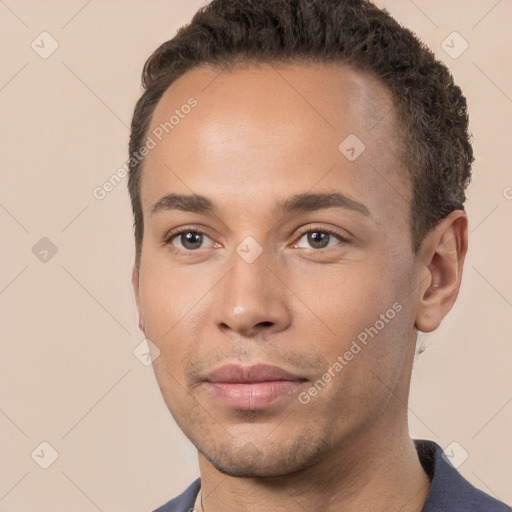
(266, 324)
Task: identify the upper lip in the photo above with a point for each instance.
(249, 374)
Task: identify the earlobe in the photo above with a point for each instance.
(135, 285)
(441, 261)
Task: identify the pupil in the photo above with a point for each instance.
(193, 239)
(318, 240)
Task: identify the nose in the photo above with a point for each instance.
(251, 299)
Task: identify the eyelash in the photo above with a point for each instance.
(308, 229)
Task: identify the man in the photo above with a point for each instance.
(297, 176)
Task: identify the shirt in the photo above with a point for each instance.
(449, 491)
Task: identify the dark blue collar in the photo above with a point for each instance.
(450, 492)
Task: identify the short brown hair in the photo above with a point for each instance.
(431, 109)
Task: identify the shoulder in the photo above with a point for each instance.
(185, 501)
(450, 491)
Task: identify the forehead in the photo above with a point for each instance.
(269, 130)
(331, 97)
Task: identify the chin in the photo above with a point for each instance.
(249, 461)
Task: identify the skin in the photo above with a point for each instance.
(261, 134)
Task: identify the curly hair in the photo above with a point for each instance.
(430, 109)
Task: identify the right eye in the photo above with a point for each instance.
(187, 240)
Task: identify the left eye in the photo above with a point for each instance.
(319, 239)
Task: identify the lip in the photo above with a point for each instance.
(251, 387)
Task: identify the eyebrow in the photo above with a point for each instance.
(312, 202)
(188, 203)
(307, 202)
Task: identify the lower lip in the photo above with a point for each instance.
(250, 396)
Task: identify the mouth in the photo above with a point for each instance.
(251, 387)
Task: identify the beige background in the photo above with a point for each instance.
(68, 373)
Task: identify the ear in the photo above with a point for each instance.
(440, 260)
(135, 284)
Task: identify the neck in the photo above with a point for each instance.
(374, 471)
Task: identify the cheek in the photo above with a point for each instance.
(168, 295)
(346, 300)
(175, 305)
(363, 316)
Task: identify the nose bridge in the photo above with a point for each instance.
(250, 298)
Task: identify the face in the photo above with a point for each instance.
(281, 300)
